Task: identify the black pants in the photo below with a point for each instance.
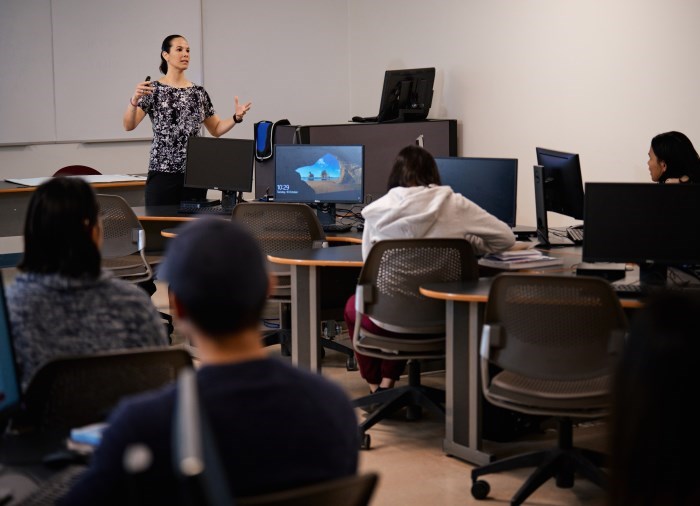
(166, 189)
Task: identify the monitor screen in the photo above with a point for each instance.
(407, 94)
(642, 223)
(563, 185)
(219, 164)
(9, 379)
(310, 173)
(491, 183)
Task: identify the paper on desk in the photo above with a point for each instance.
(522, 245)
(93, 178)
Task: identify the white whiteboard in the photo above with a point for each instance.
(102, 48)
(26, 81)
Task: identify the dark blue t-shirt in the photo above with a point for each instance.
(276, 427)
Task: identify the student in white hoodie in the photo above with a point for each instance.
(418, 206)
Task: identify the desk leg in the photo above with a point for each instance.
(305, 317)
(463, 394)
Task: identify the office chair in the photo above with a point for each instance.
(124, 246)
(548, 347)
(123, 249)
(76, 170)
(388, 292)
(73, 391)
(198, 465)
(281, 227)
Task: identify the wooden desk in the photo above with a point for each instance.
(464, 306)
(349, 238)
(306, 300)
(14, 200)
(169, 233)
(154, 219)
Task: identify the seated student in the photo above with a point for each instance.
(62, 303)
(418, 206)
(275, 426)
(652, 440)
(673, 159)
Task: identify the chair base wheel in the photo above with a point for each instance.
(480, 489)
(365, 441)
(351, 364)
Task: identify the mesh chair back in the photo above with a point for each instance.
(124, 240)
(76, 170)
(123, 233)
(73, 391)
(395, 269)
(554, 327)
(280, 226)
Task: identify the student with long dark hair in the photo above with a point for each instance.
(62, 303)
(177, 108)
(673, 159)
(418, 206)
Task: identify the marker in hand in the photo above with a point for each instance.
(147, 90)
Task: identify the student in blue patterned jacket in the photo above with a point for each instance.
(62, 303)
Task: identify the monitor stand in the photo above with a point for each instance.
(543, 238)
(326, 213)
(229, 199)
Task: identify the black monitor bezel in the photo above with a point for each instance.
(392, 110)
(7, 411)
(319, 146)
(487, 159)
(655, 212)
(247, 187)
(560, 180)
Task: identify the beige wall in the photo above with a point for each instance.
(597, 77)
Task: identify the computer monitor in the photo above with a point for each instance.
(10, 387)
(563, 185)
(320, 175)
(407, 95)
(491, 183)
(220, 164)
(652, 225)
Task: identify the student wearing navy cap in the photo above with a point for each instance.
(276, 426)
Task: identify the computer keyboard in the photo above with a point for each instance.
(575, 234)
(637, 290)
(337, 227)
(215, 210)
(54, 488)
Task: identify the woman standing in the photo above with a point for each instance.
(177, 108)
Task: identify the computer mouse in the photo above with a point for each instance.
(358, 119)
(360, 227)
